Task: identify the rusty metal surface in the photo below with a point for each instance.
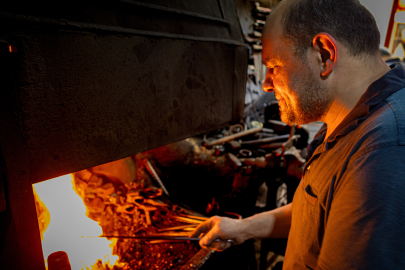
(20, 242)
(108, 109)
(96, 83)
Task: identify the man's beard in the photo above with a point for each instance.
(311, 101)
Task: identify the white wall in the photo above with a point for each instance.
(381, 9)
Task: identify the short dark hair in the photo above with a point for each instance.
(348, 21)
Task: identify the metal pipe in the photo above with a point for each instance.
(266, 140)
(155, 176)
(234, 136)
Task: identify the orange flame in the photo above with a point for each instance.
(69, 227)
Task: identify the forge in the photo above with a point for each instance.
(85, 83)
(74, 210)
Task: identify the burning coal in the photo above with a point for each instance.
(109, 206)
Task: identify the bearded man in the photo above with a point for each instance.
(347, 213)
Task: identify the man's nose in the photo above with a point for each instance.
(268, 82)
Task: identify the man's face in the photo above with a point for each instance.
(302, 97)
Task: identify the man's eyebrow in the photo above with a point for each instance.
(269, 62)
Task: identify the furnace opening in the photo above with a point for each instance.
(75, 210)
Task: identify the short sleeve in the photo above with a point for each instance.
(365, 228)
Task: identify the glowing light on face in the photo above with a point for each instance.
(308, 99)
(302, 98)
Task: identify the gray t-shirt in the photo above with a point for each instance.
(348, 211)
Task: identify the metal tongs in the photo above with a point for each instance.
(163, 237)
(155, 237)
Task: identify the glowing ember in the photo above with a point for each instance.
(69, 224)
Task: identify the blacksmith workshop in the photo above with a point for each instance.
(211, 135)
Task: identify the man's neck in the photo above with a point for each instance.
(357, 77)
(337, 112)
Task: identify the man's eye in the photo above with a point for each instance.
(273, 69)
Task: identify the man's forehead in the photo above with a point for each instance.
(273, 45)
(272, 39)
(273, 29)
(276, 15)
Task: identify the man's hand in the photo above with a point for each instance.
(274, 224)
(218, 231)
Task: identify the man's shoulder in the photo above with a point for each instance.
(396, 103)
(385, 126)
(388, 119)
(389, 114)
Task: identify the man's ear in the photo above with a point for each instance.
(327, 51)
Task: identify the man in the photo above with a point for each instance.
(324, 65)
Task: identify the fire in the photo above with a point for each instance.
(69, 227)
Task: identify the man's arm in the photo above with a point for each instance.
(272, 224)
